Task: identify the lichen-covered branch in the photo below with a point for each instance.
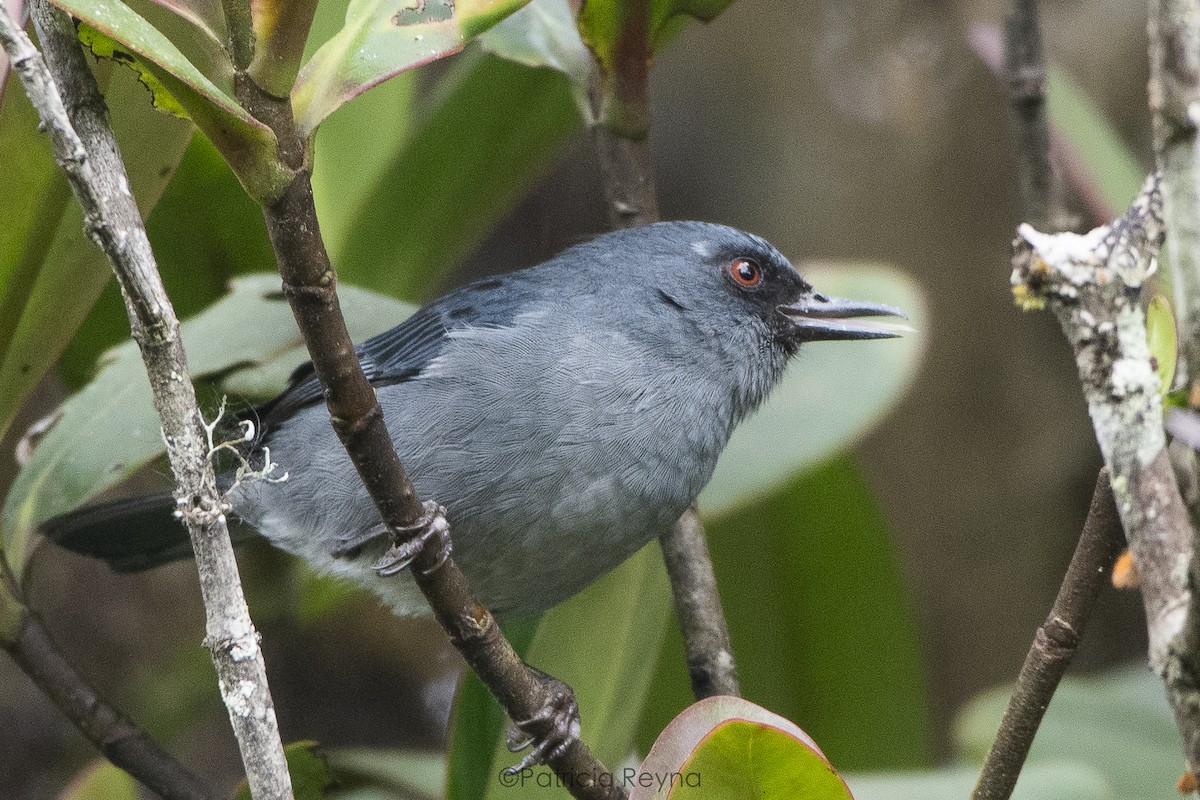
(1092, 283)
(1174, 39)
(97, 176)
(1054, 645)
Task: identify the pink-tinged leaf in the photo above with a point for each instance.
(206, 15)
(280, 31)
(247, 144)
(731, 748)
(382, 38)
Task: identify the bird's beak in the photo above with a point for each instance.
(818, 317)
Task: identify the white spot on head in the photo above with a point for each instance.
(702, 248)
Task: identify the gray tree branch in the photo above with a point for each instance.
(1092, 283)
(1174, 39)
(97, 176)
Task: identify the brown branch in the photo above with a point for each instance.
(1054, 645)
(117, 737)
(87, 152)
(1025, 68)
(310, 284)
(698, 607)
(631, 200)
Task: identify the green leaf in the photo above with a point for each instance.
(204, 231)
(465, 163)
(544, 34)
(601, 643)
(58, 273)
(308, 770)
(1163, 340)
(355, 150)
(109, 429)
(728, 747)
(606, 29)
(247, 144)
(33, 195)
(205, 15)
(401, 773)
(280, 32)
(382, 38)
(103, 46)
(1109, 163)
(100, 780)
(831, 395)
(809, 584)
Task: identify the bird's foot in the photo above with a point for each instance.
(551, 730)
(430, 530)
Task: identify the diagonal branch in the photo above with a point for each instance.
(1054, 645)
(97, 176)
(112, 733)
(310, 284)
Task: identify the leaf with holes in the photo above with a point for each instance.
(382, 38)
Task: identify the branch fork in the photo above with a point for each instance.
(1092, 283)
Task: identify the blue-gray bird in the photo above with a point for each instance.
(564, 415)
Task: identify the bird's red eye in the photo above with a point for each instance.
(745, 272)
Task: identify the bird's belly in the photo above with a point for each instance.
(533, 520)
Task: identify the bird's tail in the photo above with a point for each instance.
(131, 534)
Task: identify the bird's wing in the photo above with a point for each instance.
(401, 353)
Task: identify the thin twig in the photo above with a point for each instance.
(1054, 645)
(1092, 284)
(98, 178)
(1025, 67)
(630, 198)
(26, 639)
(698, 607)
(310, 284)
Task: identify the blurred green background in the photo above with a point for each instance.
(916, 566)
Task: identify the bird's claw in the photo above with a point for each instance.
(550, 731)
(430, 530)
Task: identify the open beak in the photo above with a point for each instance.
(818, 317)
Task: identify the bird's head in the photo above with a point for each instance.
(738, 281)
(719, 302)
